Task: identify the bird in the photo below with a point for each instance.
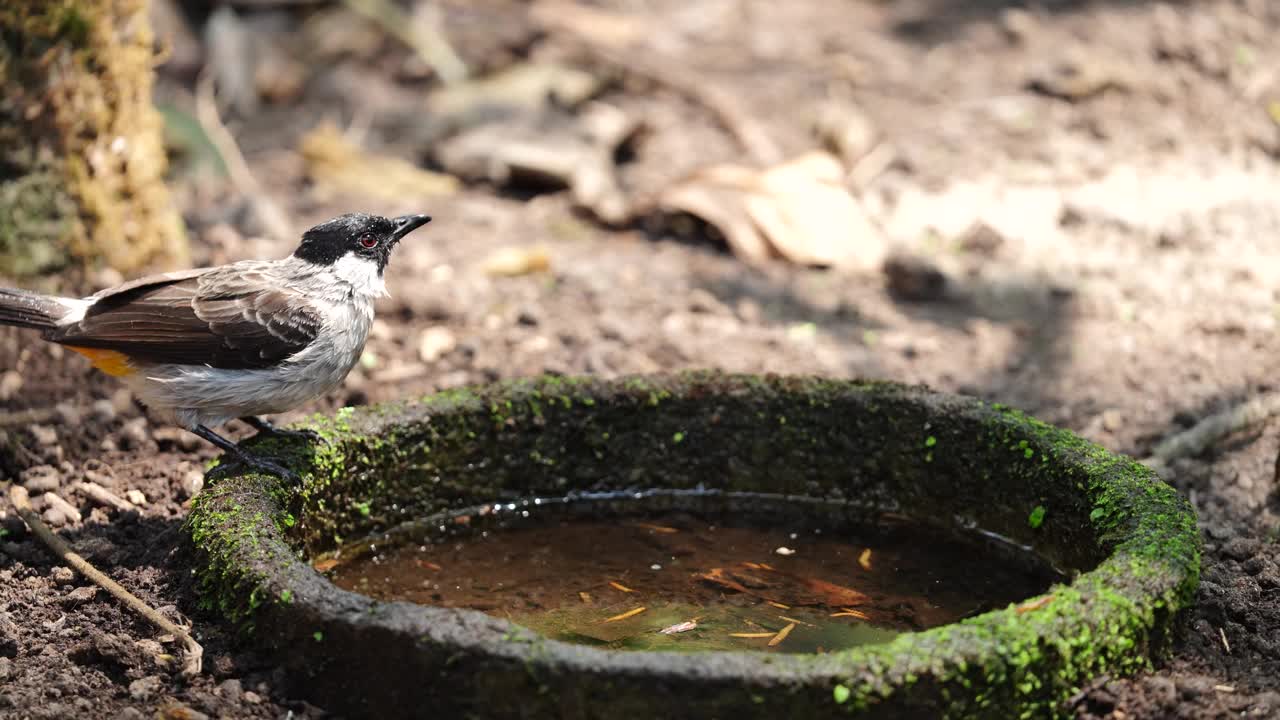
(205, 346)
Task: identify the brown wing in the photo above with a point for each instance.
(224, 318)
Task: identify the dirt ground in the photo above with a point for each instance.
(1121, 160)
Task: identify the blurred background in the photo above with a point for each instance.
(1069, 207)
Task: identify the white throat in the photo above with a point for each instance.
(361, 274)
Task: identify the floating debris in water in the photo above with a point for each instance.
(657, 528)
(865, 559)
(782, 635)
(557, 576)
(850, 612)
(627, 614)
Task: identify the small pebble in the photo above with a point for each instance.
(44, 434)
(132, 714)
(63, 575)
(10, 383)
(434, 342)
(230, 689)
(53, 517)
(136, 497)
(252, 697)
(176, 436)
(135, 434)
(122, 401)
(103, 412)
(69, 511)
(144, 688)
(68, 414)
(41, 479)
(785, 551)
(191, 484)
(83, 594)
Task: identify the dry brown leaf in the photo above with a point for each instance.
(800, 210)
(339, 168)
(519, 88)
(836, 595)
(550, 150)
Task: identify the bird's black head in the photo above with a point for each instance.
(366, 236)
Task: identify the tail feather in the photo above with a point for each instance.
(30, 310)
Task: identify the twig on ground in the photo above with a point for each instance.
(103, 496)
(22, 503)
(423, 38)
(34, 416)
(1210, 430)
(222, 139)
(272, 217)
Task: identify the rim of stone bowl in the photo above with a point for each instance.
(1130, 538)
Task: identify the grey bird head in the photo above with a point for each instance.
(370, 237)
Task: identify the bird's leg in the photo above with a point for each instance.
(265, 427)
(244, 456)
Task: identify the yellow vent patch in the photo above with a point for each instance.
(108, 361)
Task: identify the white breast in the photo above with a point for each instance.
(342, 294)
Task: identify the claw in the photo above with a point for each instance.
(244, 457)
(269, 466)
(265, 427)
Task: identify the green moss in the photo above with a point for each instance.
(1132, 537)
(1036, 517)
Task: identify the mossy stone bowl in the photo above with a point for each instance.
(1129, 540)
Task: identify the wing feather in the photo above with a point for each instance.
(227, 317)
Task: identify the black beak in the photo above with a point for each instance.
(406, 224)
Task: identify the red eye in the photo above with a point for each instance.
(368, 240)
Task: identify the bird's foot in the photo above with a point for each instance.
(241, 457)
(268, 466)
(265, 427)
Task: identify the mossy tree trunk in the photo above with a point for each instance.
(81, 152)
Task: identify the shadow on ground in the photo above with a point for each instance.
(933, 21)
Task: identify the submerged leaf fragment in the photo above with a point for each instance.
(625, 615)
(782, 635)
(864, 560)
(685, 626)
